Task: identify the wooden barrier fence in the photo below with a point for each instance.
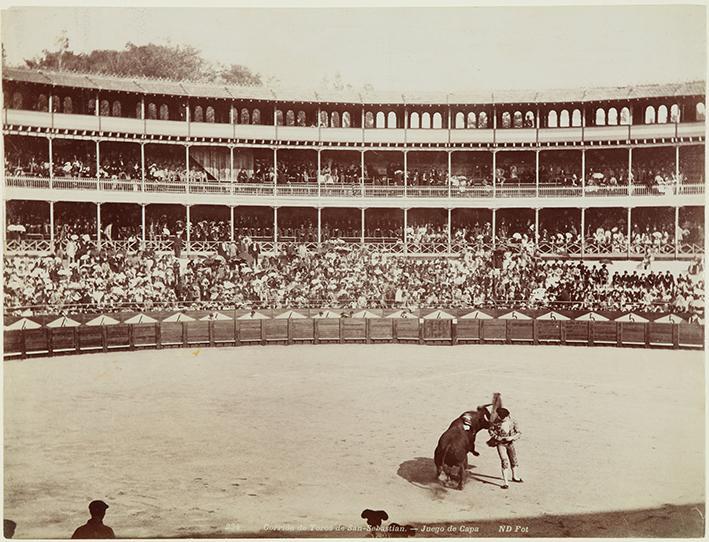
(70, 340)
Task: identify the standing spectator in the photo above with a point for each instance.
(94, 528)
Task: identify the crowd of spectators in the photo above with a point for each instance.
(335, 276)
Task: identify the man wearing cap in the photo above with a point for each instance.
(94, 528)
(504, 432)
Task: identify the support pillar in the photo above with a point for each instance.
(494, 229)
(494, 173)
(142, 221)
(362, 173)
(98, 225)
(583, 172)
(319, 222)
(676, 231)
(677, 167)
(232, 179)
(536, 173)
(142, 108)
(406, 172)
(98, 165)
(630, 169)
(142, 167)
(450, 171)
(231, 221)
(583, 232)
(450, 236)
(536, 226)
(189, 228)
(98, 105)
(317, 180)
(362, 221)
(187, 167)
(51, 225)
(406, 233)
(51, 163)
(275, 227)
(275, 167)
(629, 230)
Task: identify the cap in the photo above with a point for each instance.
(97, 506)
(502, 412)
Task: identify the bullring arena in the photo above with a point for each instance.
(298, 440)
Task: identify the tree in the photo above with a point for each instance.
(174, 62)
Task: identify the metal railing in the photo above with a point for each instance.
(227, 188)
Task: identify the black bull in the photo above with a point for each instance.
(458, 440)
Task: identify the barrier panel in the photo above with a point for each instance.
(520, 330)
(381, 329)
(144, 335)
(224, 332)
(90, 338)
(250, 331)
(407, 329)
(14, 343)
(548, 330)
(691, 335)
(302, 330)
(493, 330)
(171, 333)
(605, 332)
(275, 330)
(328, 329)
(197, 332)
(469, 329)
(63, 339)
(632, 333)
(660, 334)
(118, 336)
(37, 341)
(354, 329)
(438, 330)
(576, 331)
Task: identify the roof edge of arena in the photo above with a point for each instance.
(142, 85)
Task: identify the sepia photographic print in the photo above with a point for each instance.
(341, 271)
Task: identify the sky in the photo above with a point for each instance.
(404, 48)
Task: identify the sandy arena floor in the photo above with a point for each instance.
(231, 442)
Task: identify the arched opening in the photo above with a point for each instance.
(391, 120)
(369, 120)
(335, 119)
(459, 121)
(415, 120)
(662, 114)
(650, 115)
(625, 116)
(290, 118)
(506, 120)
(381, 120)
(552, 120)
(612, 117)
(152, 111)
(482, 120)
(57, 103)
(198, 114)
(518, 119)
(471, 120)
(564, 120)
(529, 120)
(701, 112)
(426, 120)
(576, 118)
(346, 120)
(600, 117)
(256, 116)
(164, 112)
(437, 121)
(245, 116)
(42, 103)
(209, 116)
(105, 109)
(17, 100)
(674, 113)
(324, 119)
(116, 109)
(279, 117)
(67, 107)
(301, 119)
